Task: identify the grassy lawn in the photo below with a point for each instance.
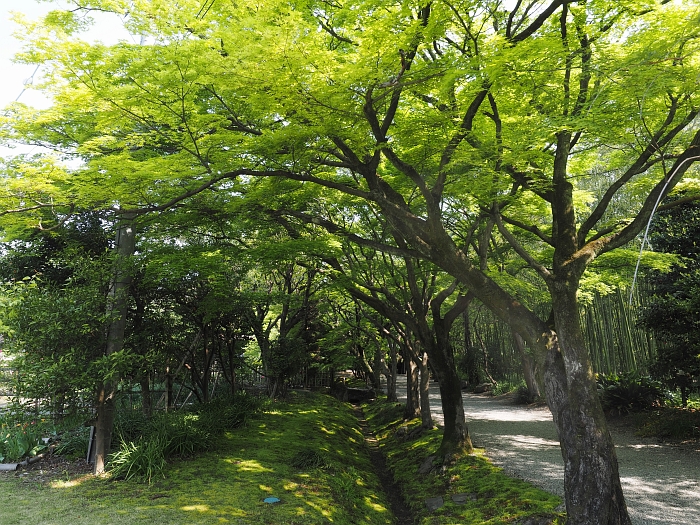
(308, 452)
(491, 496)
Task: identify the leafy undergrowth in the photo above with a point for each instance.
(669, 423)
(491, 496)
(308, 452)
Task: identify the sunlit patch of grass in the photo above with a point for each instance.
(493, 498)
(229, 484)
(198, 508)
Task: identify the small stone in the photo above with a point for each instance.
(427, 466)
(434, 504)
(463, 497)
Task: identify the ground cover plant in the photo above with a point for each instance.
(628, 392)
(307, 451)
(669, 423)
(22, 437)
(146, 444)
(490, 497)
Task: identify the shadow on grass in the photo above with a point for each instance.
(230, 484)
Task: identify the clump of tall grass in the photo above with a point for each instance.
(145, 445)
(74, 443)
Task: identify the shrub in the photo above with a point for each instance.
(523, 396)
(670, 423)
(146, 445)
(129, 424)
(141, 460)
(20, 441)
(629, 392)
(74, 443)
(226, 413)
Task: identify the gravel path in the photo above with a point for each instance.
(661, 482)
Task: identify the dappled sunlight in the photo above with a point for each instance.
(312, 411)
(655, 495)
(70, 483)
(641, 446)
(524, 442)
(374, 505)
(317, 507)
(532, 443)
(197, 508)
(247, 465)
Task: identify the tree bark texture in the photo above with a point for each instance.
(529, 366)
(117, 308)
(455, 438)
(592, 486)
(412, 409)
(426, 416)
(593, 490)
(392, 373)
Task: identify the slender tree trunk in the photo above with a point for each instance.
(168, 390)
(470, 352)
(232, 367)
(529, 372)
(377, 367)
(412, 410)
(455, 438)
(426, 417)
(391, 376)
(117, 306)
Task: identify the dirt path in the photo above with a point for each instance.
(661, 482)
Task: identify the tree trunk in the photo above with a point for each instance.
(117, 306)
(426, 417)
(392, 374)
(168, 390)
(591, 478)
(529, 372)
(470, 357)
(412, 410)
(232, 368)
(455, 438)
(377, 368)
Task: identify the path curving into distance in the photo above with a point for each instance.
(661, 482)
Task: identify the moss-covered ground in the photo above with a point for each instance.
(490, 497)
(308, 452)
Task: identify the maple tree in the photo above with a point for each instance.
(441, 116)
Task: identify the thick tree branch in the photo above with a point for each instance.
(539, 21)
(522, 252)
(333, 228)
(640, 165)
(529, 228)
(662, 188)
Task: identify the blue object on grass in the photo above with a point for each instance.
(271, 500)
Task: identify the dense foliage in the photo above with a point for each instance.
(673, 314)
(420, 156)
